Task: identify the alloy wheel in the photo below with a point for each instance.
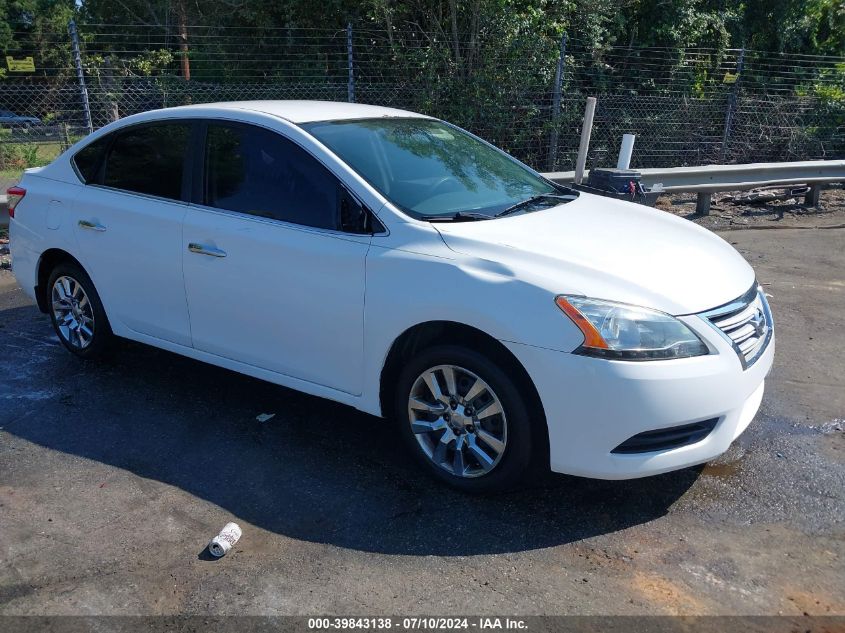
(73, 312)
(458, 421)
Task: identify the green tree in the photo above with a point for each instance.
(37, 28)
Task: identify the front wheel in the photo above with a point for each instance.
(465, 419)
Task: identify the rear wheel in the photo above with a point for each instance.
(464, 419)
(76, 311)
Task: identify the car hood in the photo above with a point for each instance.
(608, 249)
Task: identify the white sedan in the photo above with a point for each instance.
(398, 264)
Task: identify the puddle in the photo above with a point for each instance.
(723, 471)
(727, 465)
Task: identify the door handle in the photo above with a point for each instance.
(93, 226)
(200, 249)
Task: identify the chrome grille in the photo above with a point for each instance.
(745, 323)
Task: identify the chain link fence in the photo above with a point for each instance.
(523, 92)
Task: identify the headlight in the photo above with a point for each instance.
(625, 332)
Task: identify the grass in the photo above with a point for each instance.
(44, 154)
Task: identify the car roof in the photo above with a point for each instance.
(306, 111)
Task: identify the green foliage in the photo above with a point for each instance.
(29, 27)
(795, 26)
(20, 156)
(151, 62)
(455, 28)
(830, 95)
(806, 26)
(487, 65)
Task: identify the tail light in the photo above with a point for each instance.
(15, 194)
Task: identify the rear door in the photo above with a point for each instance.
(271, 279)
(128, 223)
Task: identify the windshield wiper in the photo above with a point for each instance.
(466, 216)
(460, 216)
(529, 201)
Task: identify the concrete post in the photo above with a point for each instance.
(584, 146)
(625, 151)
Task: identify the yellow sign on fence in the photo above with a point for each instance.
(25, 65)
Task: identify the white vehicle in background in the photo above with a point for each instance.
(397, 264)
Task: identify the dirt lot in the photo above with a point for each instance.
(730, 210)
(114, 476)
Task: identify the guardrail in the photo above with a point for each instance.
(709, 179)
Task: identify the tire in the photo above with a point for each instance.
(505, 438)
(68, 286)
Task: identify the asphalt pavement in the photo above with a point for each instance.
(115, 475)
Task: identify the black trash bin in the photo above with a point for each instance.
(622, 184)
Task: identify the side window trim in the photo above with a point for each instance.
(198, 171)
(336, 233)
(192, 158)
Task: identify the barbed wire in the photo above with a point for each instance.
(687, 106)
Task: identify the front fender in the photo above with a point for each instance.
(407, 288)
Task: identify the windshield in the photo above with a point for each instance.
(430, 169)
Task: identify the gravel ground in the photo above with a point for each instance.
(113, 476)
(729, 211)
(5, 260)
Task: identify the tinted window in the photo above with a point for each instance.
(89, 159)
(256, 171)
(149, 159)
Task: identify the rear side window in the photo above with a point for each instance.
(149, 159)
(256, 171)
(89, 159)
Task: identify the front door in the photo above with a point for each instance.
(271, 281)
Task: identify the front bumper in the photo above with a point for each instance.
(593, 405)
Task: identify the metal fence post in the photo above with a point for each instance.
(77, 60)
(350, 88)
(732, 99)
(554, 137)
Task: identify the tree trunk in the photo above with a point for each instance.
(456, 43)
(111, 88)
(472, 55)
(388, 18)
(183, 39)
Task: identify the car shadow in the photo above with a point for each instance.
(316, 471)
